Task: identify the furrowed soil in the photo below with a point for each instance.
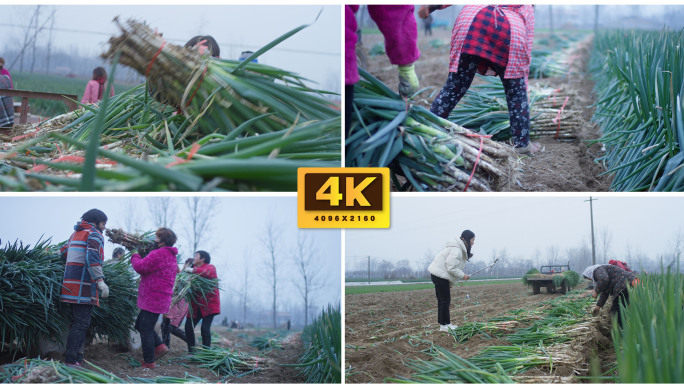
(383, 331)
(175, 364)
(560, 166)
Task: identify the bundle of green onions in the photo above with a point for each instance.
(432, 153)
(115, 317)
(267, 341)
(484, 108)
(224, 93)
(640, 91)
(449, 367)
(486, 329)
(321, 362)
(247, 127)
(226, 362)
(192, 287)
(143, 242)
(30, 285)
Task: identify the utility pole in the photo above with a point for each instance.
(591, 213)
(368, 270)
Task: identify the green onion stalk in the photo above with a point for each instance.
(143, 242)
(650, 347)
(432, 153)
(321, 361)
(639, 79)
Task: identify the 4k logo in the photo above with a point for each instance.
(343, 197)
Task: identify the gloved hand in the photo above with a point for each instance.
(408, 81)
(104, 289)
(423, 12)
(188, 269)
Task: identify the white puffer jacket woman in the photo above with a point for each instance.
(446, 270)
(450, 262)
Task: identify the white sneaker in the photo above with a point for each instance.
(444, 328)
(451, 326)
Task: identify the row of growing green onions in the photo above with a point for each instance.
(245, 127)
(322, 360)
(639, 79)
(543, 343)
(650, 347)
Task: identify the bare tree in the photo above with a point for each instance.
(552, 254)
(132, 217)
(270, 240)
(244, 291)
(308, 281)
(606, 238)
(162, 211)
(49, 44)
(428, 256)
(200, 211)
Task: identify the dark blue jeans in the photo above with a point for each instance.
(80, 321)
(149, 338)
(206, 329)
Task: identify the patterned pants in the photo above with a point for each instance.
(516, 97)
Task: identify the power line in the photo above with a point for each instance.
(182, 41)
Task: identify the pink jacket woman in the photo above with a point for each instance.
(158, 272)
(95, 87)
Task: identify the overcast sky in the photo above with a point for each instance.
(522, 224)
(234, 233)
(313, 52)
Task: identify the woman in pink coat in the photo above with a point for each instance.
(95, 87)
(398, 26)
(158, 272)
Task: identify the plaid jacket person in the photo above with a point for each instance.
(84, 254)
(521, 19)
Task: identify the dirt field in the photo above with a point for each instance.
(175, 364)
(384, 330)
(560, 166)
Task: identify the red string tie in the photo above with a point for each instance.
(154, 58)
(479, 152)
(558, 118)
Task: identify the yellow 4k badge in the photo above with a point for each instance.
(343, 197)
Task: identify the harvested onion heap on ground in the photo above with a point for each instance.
(243, 127)
(432, 153)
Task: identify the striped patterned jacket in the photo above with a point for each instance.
(84, 254)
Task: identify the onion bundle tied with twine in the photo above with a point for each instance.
(432, 153)
(221, 94)
(144, 242)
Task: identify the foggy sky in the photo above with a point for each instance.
(234, 233)
(313, 52)
(522, 224)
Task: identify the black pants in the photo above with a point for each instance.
(80, 321)
(443, 291)
(623, 297)
(516, 96)
(149, 338)
(206, 329)
(167, 329)
(348, 107)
